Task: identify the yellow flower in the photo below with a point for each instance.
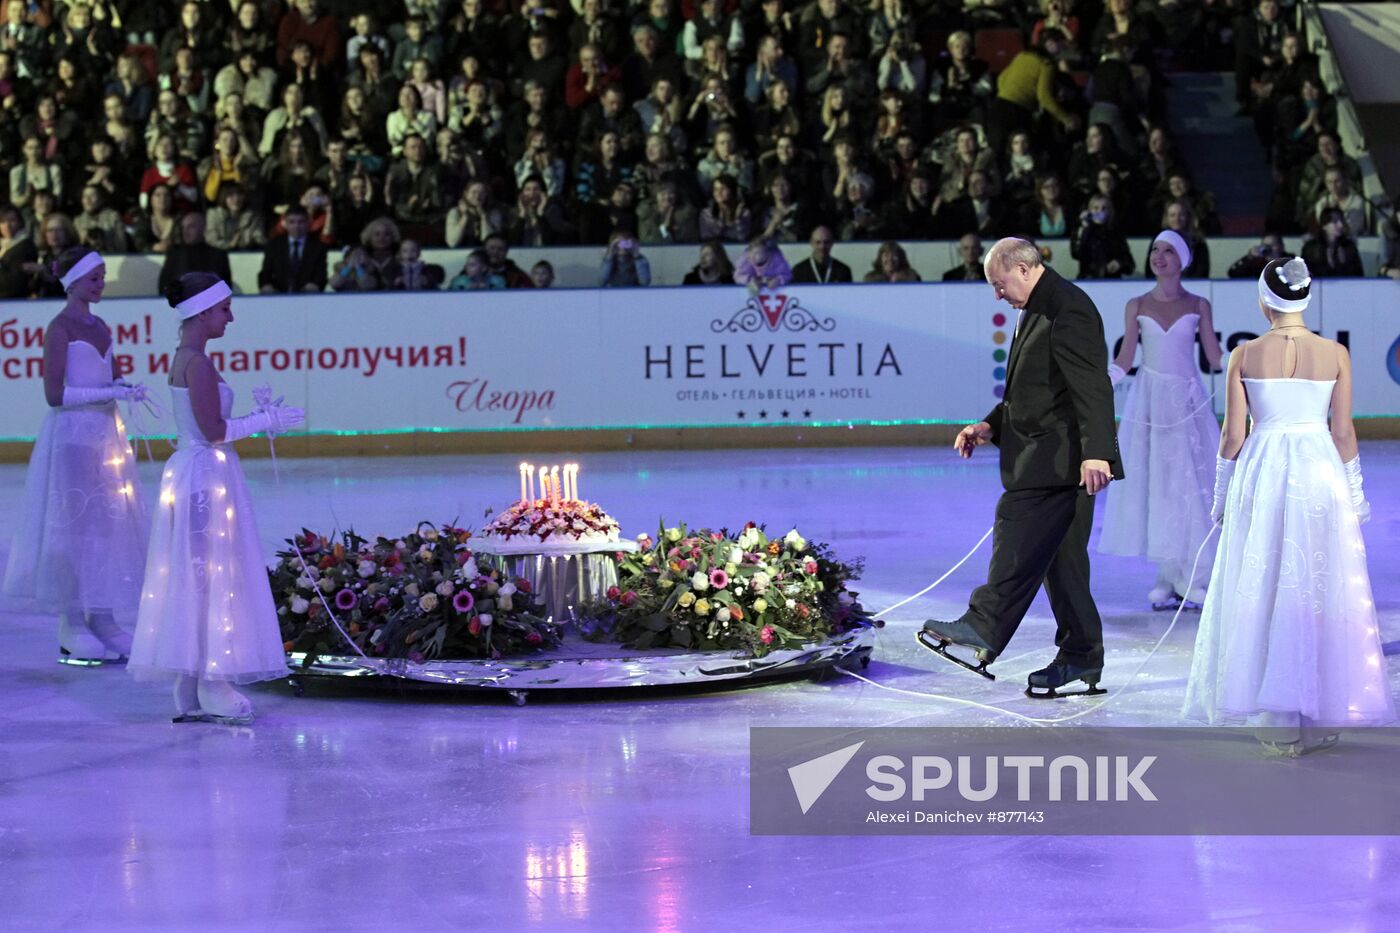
(686, 598)
(760, 605)
(673, 534)
(702, 607)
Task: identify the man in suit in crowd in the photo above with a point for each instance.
(819, 268)
(294, 262)
(970, 269)
(1059, 446)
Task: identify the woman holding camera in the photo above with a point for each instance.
(623, 265)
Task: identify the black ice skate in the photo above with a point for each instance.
(1049, 680)
(936, 636)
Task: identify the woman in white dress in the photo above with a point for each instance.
(207, 616)
(1168, 434)
(80, 544)
(1288, 638)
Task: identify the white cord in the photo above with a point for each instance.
(940, 579)
(1033, 719)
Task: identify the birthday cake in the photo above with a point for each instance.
(554, 520)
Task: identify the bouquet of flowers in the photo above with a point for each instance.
(420, 597)
(546, 521)
(709, 590)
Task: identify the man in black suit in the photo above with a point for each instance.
(1059, 447)
(819, 268)
(294, 262)
(970, 269)
(193, 253)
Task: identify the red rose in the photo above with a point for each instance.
(474, 626)
(810, 568)
(522, 585)
(614, 592)
(629, 598)
(534, 638)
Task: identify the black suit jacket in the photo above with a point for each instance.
(1057, 409)
(805, 273)
(277, 265)
(197, 257)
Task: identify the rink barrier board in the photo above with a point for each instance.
(684, 368)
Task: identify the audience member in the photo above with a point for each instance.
(294, 261)
(820, 268)
(714, 267)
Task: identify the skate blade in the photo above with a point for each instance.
(188, 717)
(941, 649)
(72, 660)
(1189, 606)
(1051, 693)
(1166, 605)
(228, 720)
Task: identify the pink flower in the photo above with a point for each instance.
(463, 601)
(534, 638)
(716, 536)
(614, 592)
(522, 585)
(766, 636)
(810, 568)
(345, 600)
(674, 552)
(474, 626)
(719, 579)
(463, 556)
(645, 542)
(629, 598)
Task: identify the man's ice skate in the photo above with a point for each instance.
(1049, 680)
(936, 636)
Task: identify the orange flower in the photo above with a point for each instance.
(775, 547)
(339, 552)
(802, 610)
(736, 613)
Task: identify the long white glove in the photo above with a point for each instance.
(1352, 468)
(275, 419)
(1224, 469)
(1116, 373)
(91, 395)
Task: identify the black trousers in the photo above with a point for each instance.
(1041, 536)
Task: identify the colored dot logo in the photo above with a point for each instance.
(999, 337)
(1392, 360)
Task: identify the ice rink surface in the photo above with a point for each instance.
(366, 810)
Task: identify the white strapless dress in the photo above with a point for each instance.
(1288, 633)
(1168, 439)
(80, 540)
(206, 609)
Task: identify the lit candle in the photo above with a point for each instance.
(522, 483)
(530, 473)
(576, 495)
(544, 484)
(554, 482)
(573, 481)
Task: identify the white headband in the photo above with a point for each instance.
(1178, 243)
(81, 268)
(1277, 302)
(205, 300)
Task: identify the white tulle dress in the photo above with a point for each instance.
(80, 540)
(1168, 439)
(206, 609)
(1288, 634)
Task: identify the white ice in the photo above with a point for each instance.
(344, 810)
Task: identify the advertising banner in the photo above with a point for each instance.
(640, 358)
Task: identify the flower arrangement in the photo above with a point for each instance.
(546, 520)
(709, 590)
(420, 597)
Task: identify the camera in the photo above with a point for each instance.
(626, 245)
(712, 96)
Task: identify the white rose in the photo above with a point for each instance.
(327, 585)
(722, 615)
(505, 603)
(425, 553)
(736, 555)
(299, 605)
(428, 602)
(507, 589)
(761, 581)
(469, 570)
(430, 535)
(791, 604)
(365, 569)
(795, 541)
(731, 569)
(700, 583)
(445, 588)
(305, 582)
(485, 619)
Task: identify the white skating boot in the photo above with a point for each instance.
(187, 699)
(1163, 596)
(96, 642)
(221, 702)
(1194, 599)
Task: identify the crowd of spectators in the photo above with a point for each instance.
(344, 136)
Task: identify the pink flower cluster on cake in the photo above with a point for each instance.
(545, 520)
